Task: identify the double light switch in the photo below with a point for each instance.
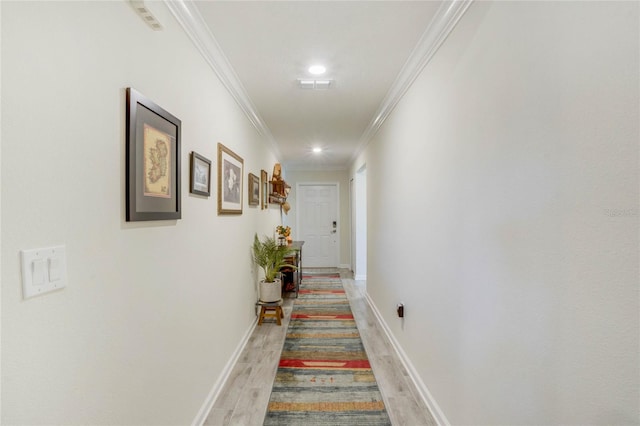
(43, 270)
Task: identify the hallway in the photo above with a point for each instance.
(501, 146)
(243, 400)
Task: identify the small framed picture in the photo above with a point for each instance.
(230, 173)
(153, 161)
(264, 184)
(254, 190)
(200, 175)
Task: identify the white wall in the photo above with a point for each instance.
(152, 311)
(503, 210)
(0, 218)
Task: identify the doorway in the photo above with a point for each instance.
(317, 221)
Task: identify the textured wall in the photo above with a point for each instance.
(503, 211)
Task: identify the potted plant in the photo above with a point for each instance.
(271, 257)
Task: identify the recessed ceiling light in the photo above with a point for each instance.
(317, 150)
(317, 69)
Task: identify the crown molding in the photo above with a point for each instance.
(190, 19)
(439, 29)
(446, 18)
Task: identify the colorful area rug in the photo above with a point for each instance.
(324, 376)
(320, 273)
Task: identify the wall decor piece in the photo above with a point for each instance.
(153, 161)
(230, 172)
(264, 185)
(200, 175)
(254, 190)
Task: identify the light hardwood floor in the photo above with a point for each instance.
(244, 398)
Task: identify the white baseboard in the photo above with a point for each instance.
(362, 277)
(222, 379)
(426, 396)
(344, 266)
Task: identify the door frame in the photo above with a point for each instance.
(352, 224)
(338, 231)
(360, 226)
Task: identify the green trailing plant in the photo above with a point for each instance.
(270, 256)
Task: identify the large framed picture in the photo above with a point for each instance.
(230, 173)
(200, 175)
(264, 184)
(254, 190)
(153, 161)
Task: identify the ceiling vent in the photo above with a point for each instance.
(147, 16)
(306, 83)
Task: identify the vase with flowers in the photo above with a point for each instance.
(284, 234)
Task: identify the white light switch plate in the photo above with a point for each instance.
(43, 270)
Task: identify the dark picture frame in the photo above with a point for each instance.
(230, 181)
(152, 160)
(200, 178)
(264, 184)
(254, 190)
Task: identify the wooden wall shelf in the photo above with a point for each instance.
(279, 192)
(277, 199)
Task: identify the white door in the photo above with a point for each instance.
(318, 224)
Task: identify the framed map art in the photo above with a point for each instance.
(230, 181)
(153, 161)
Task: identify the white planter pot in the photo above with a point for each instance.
(270, 292)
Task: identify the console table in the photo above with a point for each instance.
(295, 259)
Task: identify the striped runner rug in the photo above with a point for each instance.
(324, 376)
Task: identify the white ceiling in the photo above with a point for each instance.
(363, 44)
